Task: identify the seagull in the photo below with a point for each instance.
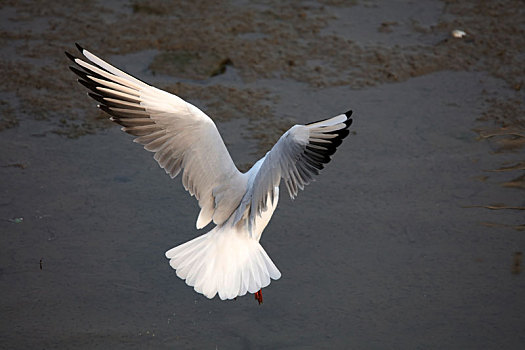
(228, 260)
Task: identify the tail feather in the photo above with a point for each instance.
(224, 261)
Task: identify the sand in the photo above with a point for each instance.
(411, 238)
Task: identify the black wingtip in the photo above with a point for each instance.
(88, 85)
(70, 56)
(97, 97)
(80, 48)
(348, 121)
(116, 118)
(78, 72)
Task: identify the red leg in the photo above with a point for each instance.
(258, 296)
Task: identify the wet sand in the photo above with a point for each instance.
(394, 245)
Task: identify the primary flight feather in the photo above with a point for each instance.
(228, 260)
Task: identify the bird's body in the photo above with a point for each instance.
(228, 260)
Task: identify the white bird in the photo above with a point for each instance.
(228, 260)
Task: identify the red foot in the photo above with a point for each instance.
(258, 296)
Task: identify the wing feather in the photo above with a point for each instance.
(296, 158)
(181, 135)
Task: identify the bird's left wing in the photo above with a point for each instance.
(299, 154)
(181, 135)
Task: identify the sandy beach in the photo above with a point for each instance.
(411, 238)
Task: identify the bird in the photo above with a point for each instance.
(228, 260)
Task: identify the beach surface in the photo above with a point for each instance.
(411, 238)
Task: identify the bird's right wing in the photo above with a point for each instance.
(298, 155)
(181, 135)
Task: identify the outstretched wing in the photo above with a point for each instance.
(298, 155)
(181, 135)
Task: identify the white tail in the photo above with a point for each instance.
(226, 261)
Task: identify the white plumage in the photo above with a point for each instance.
(228, 260)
